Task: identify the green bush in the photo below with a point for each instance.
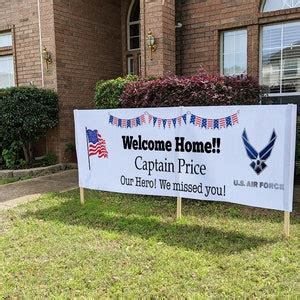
(11, 156)
(26, 113)
(49, 160)
(108, 92)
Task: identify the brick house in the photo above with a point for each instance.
(102, 39)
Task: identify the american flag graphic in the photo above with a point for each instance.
(96, 144)
(210, 123)
(198, 121)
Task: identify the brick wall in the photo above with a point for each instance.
(88, 42)
(85, 41)
(158, 16)
(198, 41)
(22, 18)
(88, 48)
(22, 15)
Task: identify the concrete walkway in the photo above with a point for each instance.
(14, 194)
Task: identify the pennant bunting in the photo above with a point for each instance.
(174, 122)
(179, 120)
(159, 122)
(164, 122)
(195, 120)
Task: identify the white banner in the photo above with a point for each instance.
(238, 154)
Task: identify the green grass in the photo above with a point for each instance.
(13, 180)
(8, 180)
(131, 246)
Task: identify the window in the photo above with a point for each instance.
(130, 65)
(271, 5)
(280, 58)
(6, 71)
(139, 64)
(7, 77)
(134, 25)
(234, 52)
(5, 39)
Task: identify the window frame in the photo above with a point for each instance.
(270, 11)
(10, 51)
(221, 39)
(129, 23)
(281, 25)
(129, 60)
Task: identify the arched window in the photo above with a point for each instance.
(134, 24)
(271, 5)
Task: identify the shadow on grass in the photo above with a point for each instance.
(103, 216)
(166, 207)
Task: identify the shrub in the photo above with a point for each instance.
(199, 90)
(49, 160)
(108, 92)
(26, 113)
(11, 156)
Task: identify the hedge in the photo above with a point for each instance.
(199, 90)
(26, 113)
(108, 92)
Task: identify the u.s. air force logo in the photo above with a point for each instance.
(259, 158)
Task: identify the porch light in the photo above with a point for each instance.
(47, 57)
(151, 43)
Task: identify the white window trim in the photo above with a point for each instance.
(129, 60)
(222, 50)
(280, 25)
(128, 27)
(9, 51)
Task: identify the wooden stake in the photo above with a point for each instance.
(287, 224)
(82, 196)
(179, 205)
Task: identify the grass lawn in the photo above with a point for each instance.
(131, 246)
(8, 180)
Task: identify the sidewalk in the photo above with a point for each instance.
(14, 194)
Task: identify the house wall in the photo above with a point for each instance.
(158, 17)
(198, 41)
(88, 48)
(32, 27)
(88, 42)
(22, 18)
